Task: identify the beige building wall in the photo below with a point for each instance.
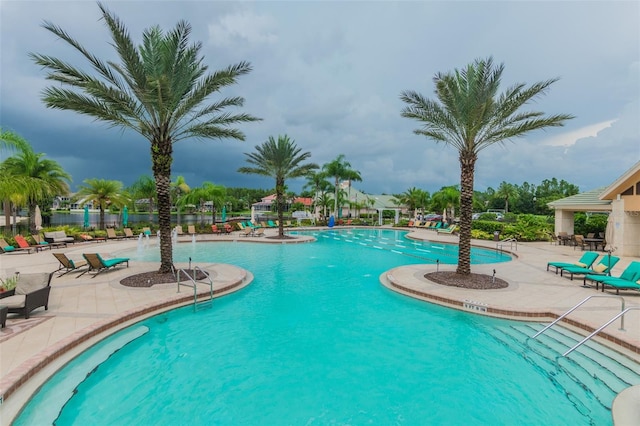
(564, 221)
(626, 227)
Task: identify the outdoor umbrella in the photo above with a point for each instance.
(86, 216)
(38, 218)
(125, 217)
(224, 213)
(608, 233)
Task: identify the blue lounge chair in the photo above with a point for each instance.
(627, 280)
(98, 264)
(585, 261)
(602, 268)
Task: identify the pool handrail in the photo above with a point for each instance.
(193, 283)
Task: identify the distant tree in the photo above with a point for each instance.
(207, 192)
(471, 115)
(179, 187)
(506, 191)
(338, 169)
(447, 198)
(413, 199)
(160, 89)
(102, 193)
(38, 179)
(318, 184)
(282, 160)
(145, 188)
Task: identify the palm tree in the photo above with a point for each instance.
(178, 189)
(145, 188)
(102, 193)
(11, 141)
(448, 198)
(338, 169)
(281, 160)
(318, 184)
(159, 90)
(506, 191)
(45, 179)
(207, 192)
(414, 199)
(470, 115)
(352, 176)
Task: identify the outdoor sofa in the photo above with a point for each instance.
(57, 237)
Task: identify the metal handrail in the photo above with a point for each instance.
(602, 327)
(511, 241)
(576, 307)
(194, 282)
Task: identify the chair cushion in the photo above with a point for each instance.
(15, 301)
(28, 283)
(580, 264)
(8, 248)
(600, 267)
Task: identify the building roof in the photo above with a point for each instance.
(585, 201)
(628, 179)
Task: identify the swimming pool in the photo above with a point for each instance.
(315, 340)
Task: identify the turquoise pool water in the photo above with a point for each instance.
(315, 339)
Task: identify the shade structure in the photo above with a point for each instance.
(125, 217)
(37, 219)
(609, 234)
(86, 216)
(224, 213)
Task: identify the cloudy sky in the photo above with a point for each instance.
(329, 75)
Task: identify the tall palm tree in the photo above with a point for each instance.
(282, 160)
(471, 115)
(160, 90)
(178, 188)
(103, 193)
(352, 176)
(46, 179)
(338, 169)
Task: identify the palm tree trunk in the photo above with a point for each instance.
(161, 155)
(32, 218)
(335, 200)
(101, 216)
(7, 214)
(280, 205)
(467, 171)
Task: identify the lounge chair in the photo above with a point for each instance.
(146, 231)
(628, 278)
(67, 264)
(111, 234)
(448, 230)
(24, 244)
(215, 229)
(8, 248)
(228, 228)
(191, 229)
(602, 268)
(246, 232)
(585, 261)
(258, 232)
(41, 242)
(31, 292)
(272, 224)
(128, 233)
(98, 264)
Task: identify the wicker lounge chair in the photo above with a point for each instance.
(191, 229)
(31, 292)
(111, 234)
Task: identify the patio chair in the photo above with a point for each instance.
(111, 234)
(448, 230)
(98, 264)
(146, 231)
(31, 292)
(228, 228)
(179, 230)
(191, 229)
(215, 229)
(8, 248)
(585, 261)
(24, 244)
(246, 232)
(627, 280)
(258, 232)
(578, 241)
(128, 233)
(602, 268)
(67, 264)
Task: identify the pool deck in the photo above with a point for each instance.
(85, 309)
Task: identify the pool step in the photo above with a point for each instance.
(593, 371)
